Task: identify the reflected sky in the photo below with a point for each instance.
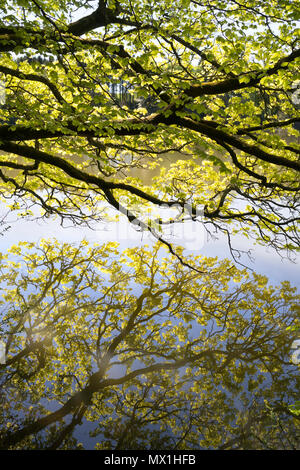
(191, 236)
(265, 261)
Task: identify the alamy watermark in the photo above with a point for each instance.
(178, 224)
(296, 355)
(2, 92)
(295, 358)
(296, 92)
(2, 352)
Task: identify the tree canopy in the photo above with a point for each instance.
(149, 349)
(150, 352)
(214, 81)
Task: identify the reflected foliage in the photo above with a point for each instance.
(149, 352)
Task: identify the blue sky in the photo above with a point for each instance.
(193, 238)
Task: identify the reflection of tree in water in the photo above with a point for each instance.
(154, 354)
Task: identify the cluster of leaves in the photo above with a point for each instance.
(151, 352)
(157, 352)
(220, 77)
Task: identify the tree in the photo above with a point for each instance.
(220, 77)
(149, 350)
(91, 95)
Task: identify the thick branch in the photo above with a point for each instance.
(83, 397)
